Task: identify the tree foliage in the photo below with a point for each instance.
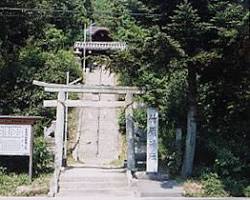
(182, 52)
(211, 38)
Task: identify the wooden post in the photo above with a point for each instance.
(130, 133)
(59, 137)
(31, 155)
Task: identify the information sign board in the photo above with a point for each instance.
(15, 139)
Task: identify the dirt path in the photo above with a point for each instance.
(99, 139)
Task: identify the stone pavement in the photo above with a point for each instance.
(153, 188)
(98, 134)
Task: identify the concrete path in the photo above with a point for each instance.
(99, 138)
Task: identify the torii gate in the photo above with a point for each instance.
(62, 102)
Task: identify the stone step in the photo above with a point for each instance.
(92, 174)
(69, 185)
(93, 171)
(91, 179)
(114, 192)
(100, 174)
(159, 193)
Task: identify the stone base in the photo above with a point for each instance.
(151, 176)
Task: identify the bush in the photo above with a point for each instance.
(122, 123)
(247, 191)
(42, 157)
(2, 170)
(234, 187)
(213, 186)
(227, 163)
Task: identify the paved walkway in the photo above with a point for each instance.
(99, 138)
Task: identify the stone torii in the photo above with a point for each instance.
(62, 102)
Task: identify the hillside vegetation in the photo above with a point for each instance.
(192, 58)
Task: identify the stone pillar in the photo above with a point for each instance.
(130, 133)
(59, 137)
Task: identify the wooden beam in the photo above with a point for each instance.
(81, 103)
(88, 88)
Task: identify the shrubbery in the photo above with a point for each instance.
(247, 191)
(210, 184)
(213, 186)
(235, 187)
(42, 157)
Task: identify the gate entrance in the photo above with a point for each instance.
(105, 100)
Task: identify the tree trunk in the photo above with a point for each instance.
(178, 148)
(187, 166)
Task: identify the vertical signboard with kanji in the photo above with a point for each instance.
(152, 140)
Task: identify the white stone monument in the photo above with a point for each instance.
(152, 140)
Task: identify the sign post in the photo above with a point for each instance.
(152, 140)
(16, 137)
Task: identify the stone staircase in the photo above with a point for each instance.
(93, 182)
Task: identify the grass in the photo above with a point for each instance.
(120, 161)
(72, 129)
(12, 184)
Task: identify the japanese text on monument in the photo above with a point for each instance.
(152, 140)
